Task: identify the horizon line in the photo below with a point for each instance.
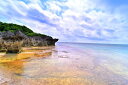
(95, 43)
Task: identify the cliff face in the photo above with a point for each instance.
(14, 32)
(13, 37)
(27, 40)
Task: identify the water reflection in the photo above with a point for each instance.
(64, 65)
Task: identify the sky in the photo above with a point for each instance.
(85, 21)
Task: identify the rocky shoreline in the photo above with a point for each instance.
(12, 42)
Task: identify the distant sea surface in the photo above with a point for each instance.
(68, 64)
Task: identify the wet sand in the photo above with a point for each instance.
(60, 65)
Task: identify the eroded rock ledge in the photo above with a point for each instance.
(27, 40)
(12, 42)
(13, 37)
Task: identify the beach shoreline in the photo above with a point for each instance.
(67, 64)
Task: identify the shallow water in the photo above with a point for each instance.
(66, 64)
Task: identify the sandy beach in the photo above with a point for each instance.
(64, 64)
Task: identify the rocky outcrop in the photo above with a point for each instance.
(14, 36)
(7, 35)
(13, 41)
(27, 40)
(19, 35)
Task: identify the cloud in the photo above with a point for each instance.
(99, 21)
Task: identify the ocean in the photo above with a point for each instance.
(68, 64)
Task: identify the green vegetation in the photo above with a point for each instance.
(14, 43)
(14, 27)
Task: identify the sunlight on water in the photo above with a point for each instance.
(66, 64)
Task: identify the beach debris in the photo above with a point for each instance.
(63, 56)
(54, 50)
(65, 51)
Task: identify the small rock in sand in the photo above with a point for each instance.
(65, 51)
(63, 56)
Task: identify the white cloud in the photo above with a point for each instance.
(72, 20)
